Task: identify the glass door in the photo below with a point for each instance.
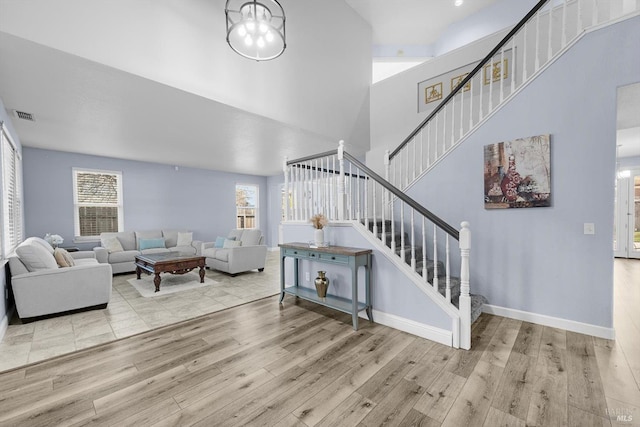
(626, 240)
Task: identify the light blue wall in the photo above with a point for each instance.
(4, 303)
(155, 195)
(538, 260)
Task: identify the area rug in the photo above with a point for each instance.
(170, 283)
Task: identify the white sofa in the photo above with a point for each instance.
(248, 252)
(41, 288)
(123, 261)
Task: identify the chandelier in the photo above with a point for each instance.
(255, 29)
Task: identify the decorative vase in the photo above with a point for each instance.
(318, 237)
(322, 283)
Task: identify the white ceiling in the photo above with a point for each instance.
(413, 22)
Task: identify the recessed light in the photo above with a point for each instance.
(459, 2)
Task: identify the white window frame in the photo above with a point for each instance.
(76, 205)
(257, 207)
(14, 218)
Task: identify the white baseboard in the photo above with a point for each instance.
(432, 333)
(4, 324)
(555, 322)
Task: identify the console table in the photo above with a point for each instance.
(338, 255)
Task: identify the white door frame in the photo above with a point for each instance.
(625, 214)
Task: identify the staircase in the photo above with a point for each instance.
(339, 186)
(425, 267)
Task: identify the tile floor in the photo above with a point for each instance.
(128, 313)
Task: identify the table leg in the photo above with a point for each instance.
(156, 281)
(281, 278)
(201, 274)
(354, 296)
(138, 271)
(367, 287)
(369, 314)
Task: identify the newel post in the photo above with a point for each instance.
(341, 184)
(386, 204)
(465, 299)
(285, 169)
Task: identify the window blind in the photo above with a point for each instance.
(97, 202)
(12, 194)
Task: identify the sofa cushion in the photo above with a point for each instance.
(235, 234)
(127, 239)
(251, 237)
(222, 255)
(170, 237)
(35, 257)
(231, 244)
(187, 249)
(124, 256)
(151, 243)
(184, 239)
(112, 244)
(41, 241)
(147, 234)
(63, 258)
(86, 261)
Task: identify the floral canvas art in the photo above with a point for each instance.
(517, 174)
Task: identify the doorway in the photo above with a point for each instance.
(626, 237)
(626, 240)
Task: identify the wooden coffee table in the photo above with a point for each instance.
(168, 262)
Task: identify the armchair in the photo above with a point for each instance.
(40, 287)
(243, 250)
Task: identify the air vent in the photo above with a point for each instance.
(24, 116)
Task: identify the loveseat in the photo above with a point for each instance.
(41, 287)
(120, 249)
(242, 250)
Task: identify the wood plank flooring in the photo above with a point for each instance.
(302, 365)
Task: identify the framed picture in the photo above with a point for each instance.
(495, 71)
(433, 93)
(517, 174)
(455, 81)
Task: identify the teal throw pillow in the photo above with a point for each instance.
(220, 241)
(151, 243)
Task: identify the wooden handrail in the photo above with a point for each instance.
(405, 198)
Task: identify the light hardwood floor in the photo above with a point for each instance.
(300, 364)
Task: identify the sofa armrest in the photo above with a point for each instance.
(82, 254)
(206, 245)
(244, 258)
(102, 254)
(197, 244)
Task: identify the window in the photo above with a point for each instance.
(246, 206)
(11, 194)
(97, 198)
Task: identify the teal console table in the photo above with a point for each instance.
(353, 258)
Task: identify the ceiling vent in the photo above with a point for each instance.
(24, 116)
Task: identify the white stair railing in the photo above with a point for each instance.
(537, 40)
(337, 185)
